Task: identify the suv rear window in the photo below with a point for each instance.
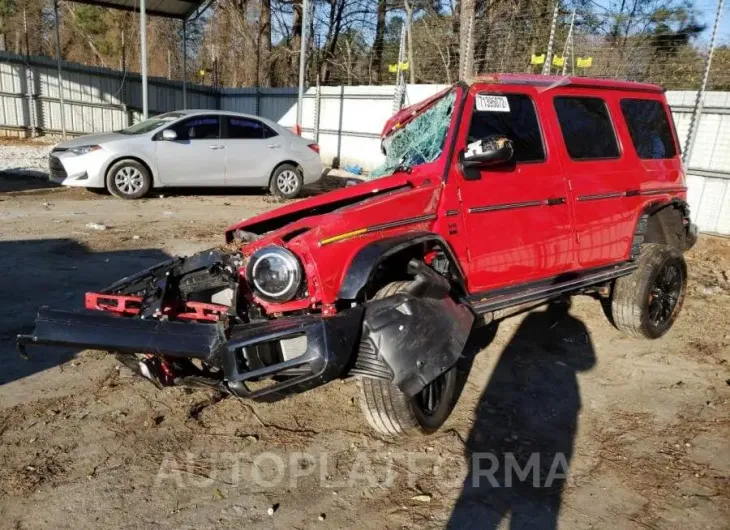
(519, 124)
(649, 128)
(587, 128)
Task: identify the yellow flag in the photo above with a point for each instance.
(584, 62)
(558, 61)
(537, 59)
(393, 68)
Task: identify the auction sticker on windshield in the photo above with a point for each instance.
(492, 103)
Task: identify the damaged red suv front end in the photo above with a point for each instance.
(194, 320)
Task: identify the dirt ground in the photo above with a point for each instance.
(643, 427)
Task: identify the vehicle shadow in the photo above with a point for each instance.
(56, 273)
(521, 442)
(19, 179)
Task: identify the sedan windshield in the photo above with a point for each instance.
(421, 140)
(152, 123)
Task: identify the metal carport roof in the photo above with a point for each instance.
(179, 9)
(162, 8)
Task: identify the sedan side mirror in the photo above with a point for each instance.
(169, 135)
(490, 151)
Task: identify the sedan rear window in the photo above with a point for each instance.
(248, 129)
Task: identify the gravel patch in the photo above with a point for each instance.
(26, 158)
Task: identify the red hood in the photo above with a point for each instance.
(284, 215)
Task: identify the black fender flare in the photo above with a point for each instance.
(364, 264)
(654, 207)
(642, 223)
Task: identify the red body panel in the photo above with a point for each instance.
(515, 245)
(496, 243)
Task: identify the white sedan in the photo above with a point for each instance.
(189, 148)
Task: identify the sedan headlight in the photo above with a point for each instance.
(274, 273)
(82, 150)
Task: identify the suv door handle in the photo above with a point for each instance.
(273, 146)
(215, 147)
(554, 201)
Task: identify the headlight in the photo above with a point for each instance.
(84, 149)
(274, 273)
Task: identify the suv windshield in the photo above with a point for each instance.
(152, 123)
(420, 141)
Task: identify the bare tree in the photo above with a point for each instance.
(377, 55)
(409, 30)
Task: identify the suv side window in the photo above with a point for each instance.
(198, 128)
(248, 129)
(586, 127)
(520, 125)
(649, 128)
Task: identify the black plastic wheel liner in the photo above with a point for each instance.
(418, 338)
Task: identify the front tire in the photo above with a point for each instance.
(647, 302)
(390, 412)
(128, 179)
(286, 182)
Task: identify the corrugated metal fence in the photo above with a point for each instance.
(101, 99)
(708, 179)
(346, 121)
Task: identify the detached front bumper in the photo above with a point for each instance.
(292, 354)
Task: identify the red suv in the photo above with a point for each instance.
(494, 197)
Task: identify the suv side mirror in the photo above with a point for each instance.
(169, 135)
(490, 151)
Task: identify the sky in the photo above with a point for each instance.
(707, 10)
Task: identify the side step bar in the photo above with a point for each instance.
(105, 331)
(545, 289)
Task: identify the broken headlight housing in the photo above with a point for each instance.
(274, 273)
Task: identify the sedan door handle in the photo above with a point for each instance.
(215, 147)
(273, 146)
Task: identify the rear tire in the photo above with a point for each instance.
(647, 302)
(286, 182)
(390, 412)
(128, 179)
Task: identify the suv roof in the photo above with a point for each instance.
(406, 114)
(559, 80)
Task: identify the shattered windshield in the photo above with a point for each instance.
(420, 141)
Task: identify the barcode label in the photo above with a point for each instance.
(492, 103)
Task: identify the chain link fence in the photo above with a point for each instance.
(666, 45)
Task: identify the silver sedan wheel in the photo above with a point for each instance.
(129, 180)
(287, 181)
